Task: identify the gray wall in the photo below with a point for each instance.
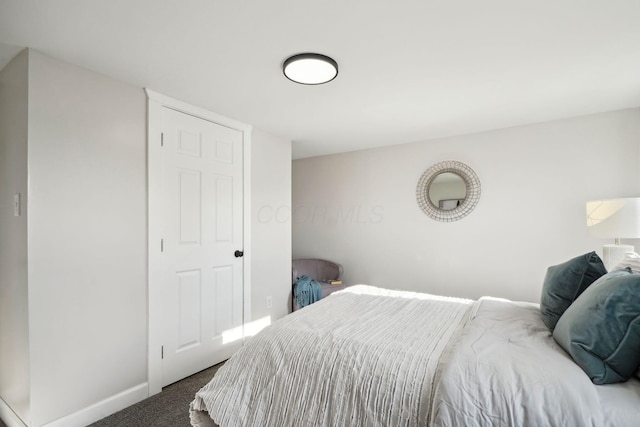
(74, 334)
(360, 208)
(14, 324)
(270, 225)
(87, 237)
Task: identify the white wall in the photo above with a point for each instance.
(14, 325)
(270, 225)
(87, 237)
(360, 208)
(73, 340)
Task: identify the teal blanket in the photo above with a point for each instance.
(306, 291)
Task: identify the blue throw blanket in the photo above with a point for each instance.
(306, 291)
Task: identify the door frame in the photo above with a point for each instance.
(155, 103)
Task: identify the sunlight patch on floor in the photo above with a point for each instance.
(248, 330)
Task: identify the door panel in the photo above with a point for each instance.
(189, 286)
(189, 192)
(202, 280)
(223, 279)
(224, 211)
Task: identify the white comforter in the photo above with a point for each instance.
(372, 357)
(361, 357)
(505, 369)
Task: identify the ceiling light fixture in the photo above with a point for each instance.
(310, 68)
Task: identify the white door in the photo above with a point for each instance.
(202, 230)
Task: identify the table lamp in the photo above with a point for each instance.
(617, 219)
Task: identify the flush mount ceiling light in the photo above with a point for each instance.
(310, 68)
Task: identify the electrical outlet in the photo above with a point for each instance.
(269, 303)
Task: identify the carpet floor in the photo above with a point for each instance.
(169, 408)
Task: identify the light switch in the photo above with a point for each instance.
(16, 204)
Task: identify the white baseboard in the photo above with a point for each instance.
(103, 408)
(9, 417)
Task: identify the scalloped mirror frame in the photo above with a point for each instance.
(470, 179)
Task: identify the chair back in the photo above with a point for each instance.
(319, 269)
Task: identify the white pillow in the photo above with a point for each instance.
(631, 260)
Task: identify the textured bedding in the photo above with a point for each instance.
(505, 369)
(371, 357)
(362, 357)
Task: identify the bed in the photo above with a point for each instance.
(366, 356)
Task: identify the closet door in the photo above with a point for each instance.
(202, 282)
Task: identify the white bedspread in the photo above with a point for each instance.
(505, 369)
(361, 357)
(372, 357)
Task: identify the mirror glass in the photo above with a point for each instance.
(447, 191)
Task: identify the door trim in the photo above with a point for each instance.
(155, 103)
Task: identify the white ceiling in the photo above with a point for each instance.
(410, 70)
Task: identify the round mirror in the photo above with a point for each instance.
(448, 191)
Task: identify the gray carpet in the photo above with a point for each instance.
(170, 408)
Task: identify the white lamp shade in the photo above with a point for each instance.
(614, 218)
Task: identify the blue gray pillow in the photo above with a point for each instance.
(565, 282)
(601, 329)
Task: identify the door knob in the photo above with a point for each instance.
(238, 254)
